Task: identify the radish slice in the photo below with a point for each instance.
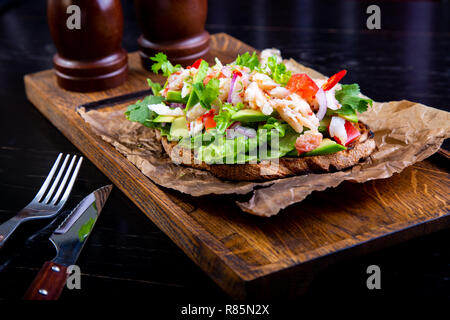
(337, 129)
(233, 80)
(322, 100)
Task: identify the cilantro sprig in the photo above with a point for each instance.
(207, 94)
(161, 63)
(156, 87)
(348, 97)
(139, 112)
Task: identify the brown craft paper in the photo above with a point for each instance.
(405, 133)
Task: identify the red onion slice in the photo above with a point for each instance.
(322, 100)
(234, 125)
(236, 130)
(248, 132)
(177, 105)
(233, 80)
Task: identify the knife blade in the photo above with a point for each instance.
(69, 239)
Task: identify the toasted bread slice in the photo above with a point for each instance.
(358, 150)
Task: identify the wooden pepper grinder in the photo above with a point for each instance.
(89, 55)
(174, 27)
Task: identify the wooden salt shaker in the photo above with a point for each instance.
(174, 27)
(90, 58)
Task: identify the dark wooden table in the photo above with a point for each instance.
(127, 256)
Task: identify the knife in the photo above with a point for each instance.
(68, 239)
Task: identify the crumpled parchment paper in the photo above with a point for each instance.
(405, 133)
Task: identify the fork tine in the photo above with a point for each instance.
(63, 183)
(55, 182)
(48, 179)
(65, 196)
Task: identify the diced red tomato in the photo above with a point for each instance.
(352, 133)
(303, 85)
(237, 72)
(333, 80)
(208, 120)
(196, 64)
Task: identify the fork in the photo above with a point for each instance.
(49, 206)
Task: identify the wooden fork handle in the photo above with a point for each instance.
(49, 282)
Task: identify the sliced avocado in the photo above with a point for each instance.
(248, 115)
(162, 118)
(175, 96)
(349, 117)
(324, 123)
(192, 101)
(179, 128)
(352, 117)
(327, 146)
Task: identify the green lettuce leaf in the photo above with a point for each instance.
(213, 147)
(279, 72)
(223, 119)
(247, 60)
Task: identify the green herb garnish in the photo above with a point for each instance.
(161, 63)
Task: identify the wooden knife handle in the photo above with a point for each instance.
(49, 282)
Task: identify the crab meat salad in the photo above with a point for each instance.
(233, 111)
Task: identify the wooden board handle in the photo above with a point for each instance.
(49, 282)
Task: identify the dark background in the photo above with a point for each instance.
(127, 256)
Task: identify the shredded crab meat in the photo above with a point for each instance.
(195, 112)
(264, 81)
(224, 88)
(308, 141)
(176, 80)
(279, 92)
(195, 127)
(256, 99)
(297, 112)
(258, 91)
(267, 53)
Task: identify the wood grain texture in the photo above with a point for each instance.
(249, 256)
(49, 282)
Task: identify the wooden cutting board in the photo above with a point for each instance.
(250, 256)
